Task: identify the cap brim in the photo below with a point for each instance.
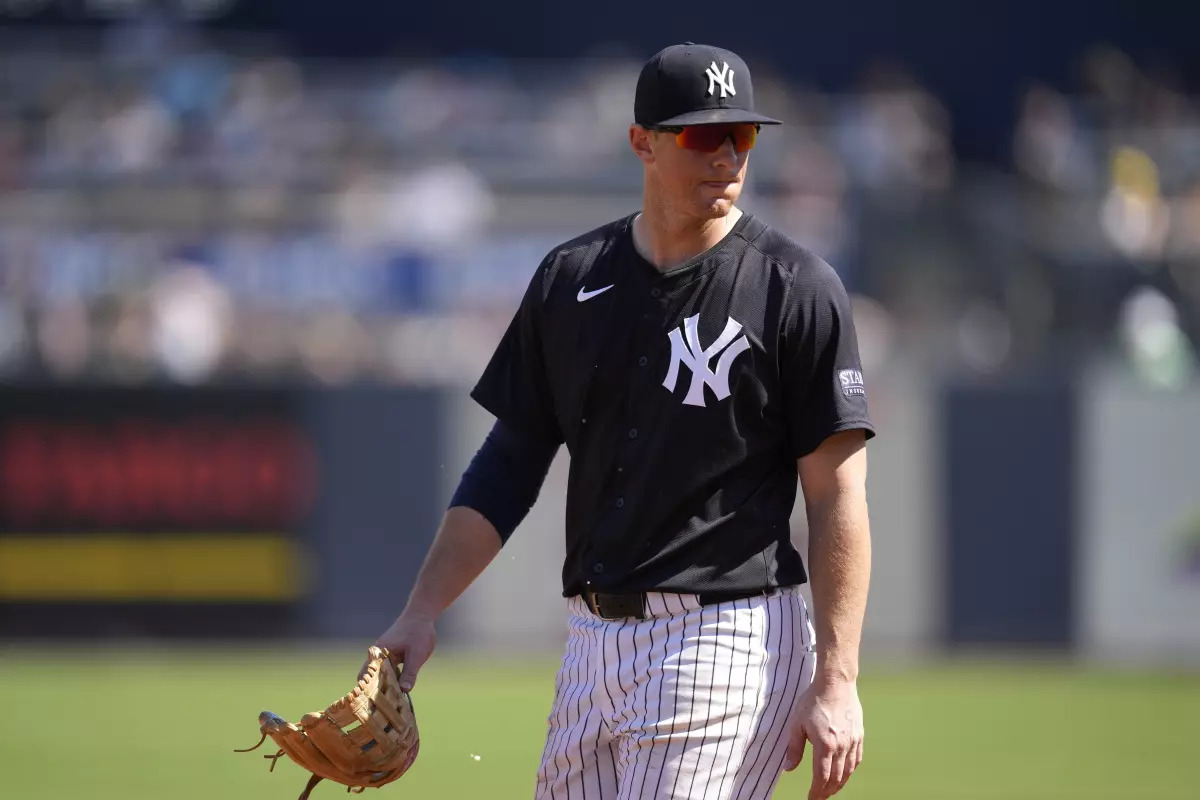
(715, 115)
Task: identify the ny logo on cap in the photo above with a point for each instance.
(722, 77)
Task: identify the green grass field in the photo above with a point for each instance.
(163, 724)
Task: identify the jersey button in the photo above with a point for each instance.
(655, 292)
(643, 361)
(620, 502)
(633, 433)
(597, 568)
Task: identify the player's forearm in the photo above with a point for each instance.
(465, 544)
(839, 555)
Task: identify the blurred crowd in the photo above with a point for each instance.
(171, 209)
(1111, 207)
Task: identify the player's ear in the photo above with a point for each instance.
(642, 143)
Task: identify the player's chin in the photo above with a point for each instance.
(717, 201)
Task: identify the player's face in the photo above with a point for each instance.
(703, 185)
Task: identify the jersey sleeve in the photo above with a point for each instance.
(514, 385)
(823, 385)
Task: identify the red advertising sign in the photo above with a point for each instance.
(121, 495)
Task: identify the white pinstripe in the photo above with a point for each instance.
(691, 703)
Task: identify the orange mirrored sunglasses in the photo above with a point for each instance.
(709, 138)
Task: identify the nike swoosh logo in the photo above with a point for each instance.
(582, 296)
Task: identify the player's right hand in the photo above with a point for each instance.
(410, 642)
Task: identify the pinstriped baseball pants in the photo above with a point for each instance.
(691, 703)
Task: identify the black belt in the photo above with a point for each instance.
(632, 605)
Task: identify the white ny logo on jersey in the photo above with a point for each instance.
(686, 349)
(722, 77)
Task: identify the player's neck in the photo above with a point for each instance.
(667, 240)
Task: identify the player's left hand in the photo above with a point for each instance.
(830, 716)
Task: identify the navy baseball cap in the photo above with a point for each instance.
(695, 84)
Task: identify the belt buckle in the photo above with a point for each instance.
(593, 602)
(589, 598)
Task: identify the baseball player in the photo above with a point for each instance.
(695, 362)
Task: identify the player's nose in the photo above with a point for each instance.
(726, 155)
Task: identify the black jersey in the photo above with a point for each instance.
(684, 399)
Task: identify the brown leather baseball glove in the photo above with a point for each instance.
(367, 738)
